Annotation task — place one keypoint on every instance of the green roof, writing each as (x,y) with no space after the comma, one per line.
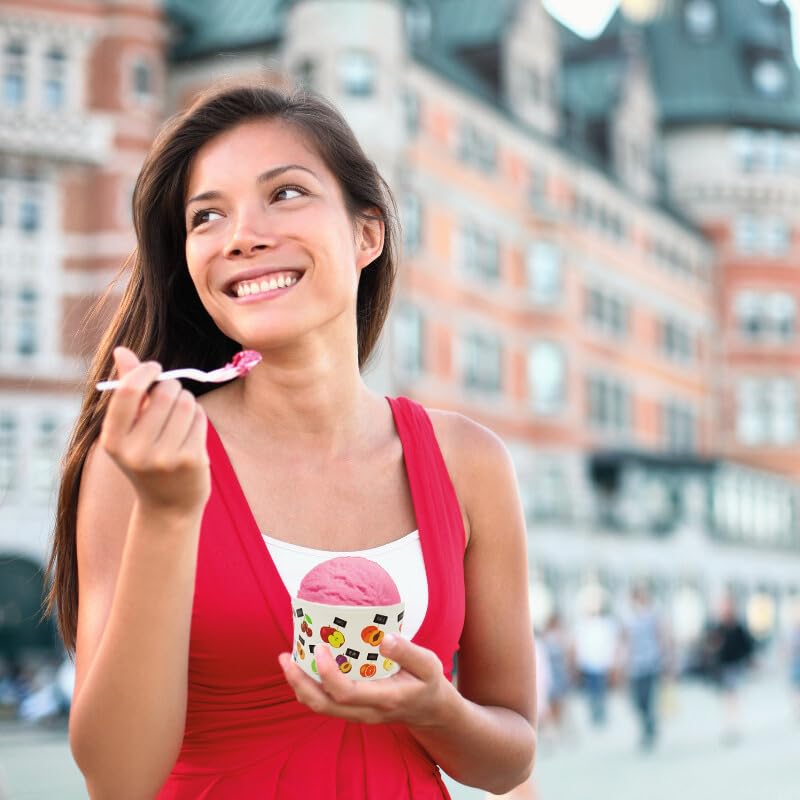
(710,80)
(206,27)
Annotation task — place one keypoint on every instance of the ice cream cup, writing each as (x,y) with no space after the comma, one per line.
(353,634)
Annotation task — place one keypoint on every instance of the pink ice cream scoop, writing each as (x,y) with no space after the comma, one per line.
(244,361)
(349,581)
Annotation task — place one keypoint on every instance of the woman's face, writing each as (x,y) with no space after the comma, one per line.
(271,249)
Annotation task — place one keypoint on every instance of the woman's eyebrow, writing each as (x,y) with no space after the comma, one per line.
(264,177)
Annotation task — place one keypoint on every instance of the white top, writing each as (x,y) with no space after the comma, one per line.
(402,559)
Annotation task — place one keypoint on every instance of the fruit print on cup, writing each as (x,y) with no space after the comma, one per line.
(367,670)
(372,635)
(344,665)
(334,637)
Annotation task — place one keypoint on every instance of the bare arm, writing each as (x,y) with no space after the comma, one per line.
(486,735)
(136,568)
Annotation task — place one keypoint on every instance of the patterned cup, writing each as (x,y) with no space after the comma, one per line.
(353,633)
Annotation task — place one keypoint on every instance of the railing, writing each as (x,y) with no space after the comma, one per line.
(68,136)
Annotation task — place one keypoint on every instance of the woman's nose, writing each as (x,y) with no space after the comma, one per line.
(249,236)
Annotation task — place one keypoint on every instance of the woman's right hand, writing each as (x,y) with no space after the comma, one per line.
(157,438)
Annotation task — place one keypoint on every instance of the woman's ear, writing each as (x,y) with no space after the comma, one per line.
(369,237)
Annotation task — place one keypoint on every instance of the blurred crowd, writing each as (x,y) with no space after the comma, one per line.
(36,690)
(632,650)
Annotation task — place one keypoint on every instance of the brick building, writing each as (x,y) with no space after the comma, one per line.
(600,241)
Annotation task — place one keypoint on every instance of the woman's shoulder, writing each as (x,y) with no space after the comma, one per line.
(466,438)
(477,459)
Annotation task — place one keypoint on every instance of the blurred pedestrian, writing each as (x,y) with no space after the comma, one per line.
(794,658)
(558,647)
(730,648)
(596,655)
(645,656)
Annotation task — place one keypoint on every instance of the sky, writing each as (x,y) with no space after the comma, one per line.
(588,18)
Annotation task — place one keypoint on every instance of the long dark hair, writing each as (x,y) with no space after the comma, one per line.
(160,316)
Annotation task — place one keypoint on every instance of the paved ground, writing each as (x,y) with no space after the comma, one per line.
(690,763)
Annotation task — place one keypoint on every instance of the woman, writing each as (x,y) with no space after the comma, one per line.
(177,509)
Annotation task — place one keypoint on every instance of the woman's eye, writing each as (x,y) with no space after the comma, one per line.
(204,215)
(293,192)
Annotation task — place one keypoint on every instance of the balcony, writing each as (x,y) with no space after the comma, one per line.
(65,136)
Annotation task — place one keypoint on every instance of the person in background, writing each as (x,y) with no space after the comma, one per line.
(730,647)
(794,657)
(596,656)
(645,657)
(559,655)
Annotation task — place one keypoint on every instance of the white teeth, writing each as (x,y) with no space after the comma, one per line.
(265,285)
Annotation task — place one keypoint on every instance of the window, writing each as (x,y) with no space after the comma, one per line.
(14,75)
(676,341)
(768,236)
(357,73)
(411,107)
(678,425)
(9,453)
(765,315)
(537,188)
(543,269)
(54,80)
(306,72)
(609,404)
(770,77)
(548,493)
(44,458)
(784,411)
(142,80)
(26,322)
(701,18)
(547,382)
(781,312)
(483,357)
(480,254)
(408,339)
(607,311)
(29,216)
(748,312)
(766,411)
(477,148)
(411,220)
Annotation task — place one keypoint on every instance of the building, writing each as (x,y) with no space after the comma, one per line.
(598,251)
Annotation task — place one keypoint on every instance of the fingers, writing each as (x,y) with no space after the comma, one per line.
(125,360)
(313,695)
(155,416)
(419,661)
(123,408)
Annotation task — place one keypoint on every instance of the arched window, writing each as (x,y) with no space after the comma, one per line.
(547,377)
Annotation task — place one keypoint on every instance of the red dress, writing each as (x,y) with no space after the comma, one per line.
(246,736)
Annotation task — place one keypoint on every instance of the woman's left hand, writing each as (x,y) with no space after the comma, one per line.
(418,695)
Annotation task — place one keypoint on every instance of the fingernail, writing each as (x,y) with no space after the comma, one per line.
(389,640)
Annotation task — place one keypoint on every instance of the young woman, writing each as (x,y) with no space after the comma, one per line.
(187,518)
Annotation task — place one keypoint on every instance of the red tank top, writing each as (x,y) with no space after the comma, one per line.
(246,736)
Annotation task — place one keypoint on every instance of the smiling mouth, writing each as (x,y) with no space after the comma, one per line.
(265,284)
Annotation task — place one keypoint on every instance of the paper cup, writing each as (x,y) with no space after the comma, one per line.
(353,633)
